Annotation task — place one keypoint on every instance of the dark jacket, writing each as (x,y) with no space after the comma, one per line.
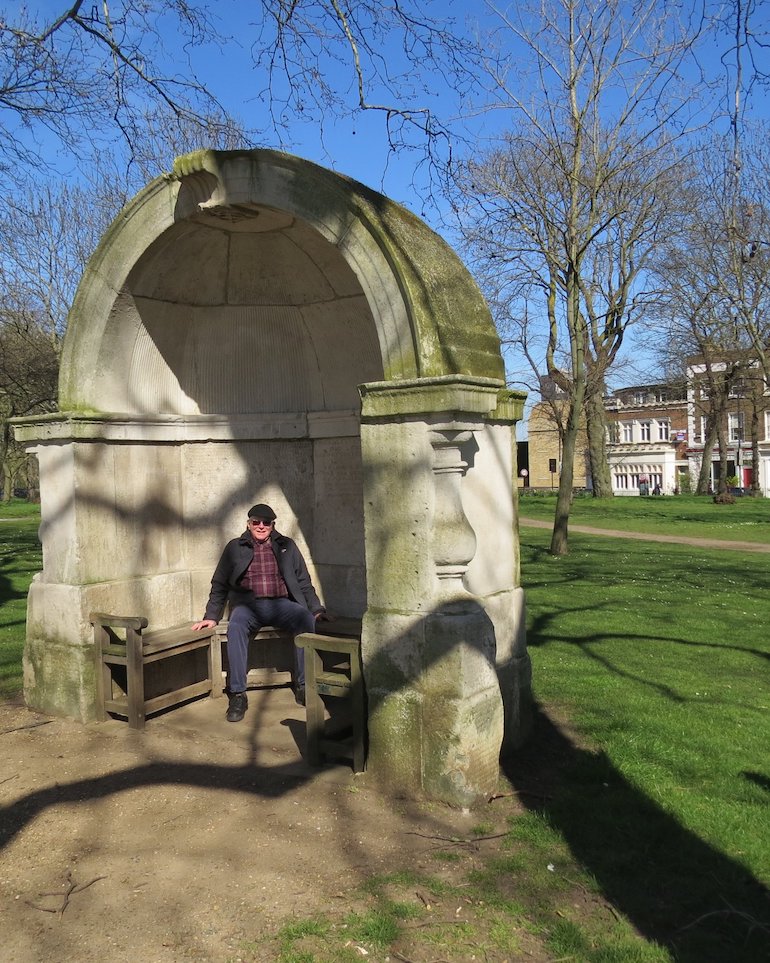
(235,560)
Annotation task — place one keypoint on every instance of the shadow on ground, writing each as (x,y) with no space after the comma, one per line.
(673,887)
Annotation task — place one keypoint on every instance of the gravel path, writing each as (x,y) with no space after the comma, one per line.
(734,546)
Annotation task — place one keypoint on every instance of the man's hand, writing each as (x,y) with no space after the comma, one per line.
(205,624)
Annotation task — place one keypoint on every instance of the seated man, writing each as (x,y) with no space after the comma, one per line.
(265,577)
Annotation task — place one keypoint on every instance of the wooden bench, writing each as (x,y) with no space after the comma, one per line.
(121,664)
(333,669)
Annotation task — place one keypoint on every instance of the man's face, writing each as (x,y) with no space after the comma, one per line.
(260,528)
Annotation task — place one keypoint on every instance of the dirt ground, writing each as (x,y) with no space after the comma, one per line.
(188,840)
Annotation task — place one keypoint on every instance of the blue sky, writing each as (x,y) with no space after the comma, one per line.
(357,146)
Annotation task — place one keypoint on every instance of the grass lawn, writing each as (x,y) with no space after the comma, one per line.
(20,558)
(657,655)
(644,832)
(748,520)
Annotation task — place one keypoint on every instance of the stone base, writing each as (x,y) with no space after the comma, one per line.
(435,729)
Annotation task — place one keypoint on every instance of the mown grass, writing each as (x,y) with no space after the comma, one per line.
(748,520)
(658,655)
(20,558)
(19,508)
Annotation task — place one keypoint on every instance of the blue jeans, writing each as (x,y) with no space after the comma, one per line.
(247,618)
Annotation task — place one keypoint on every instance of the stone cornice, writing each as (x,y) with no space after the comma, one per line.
(486,397)
(115,427)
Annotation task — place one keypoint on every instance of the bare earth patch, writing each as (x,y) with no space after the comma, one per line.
(197,839)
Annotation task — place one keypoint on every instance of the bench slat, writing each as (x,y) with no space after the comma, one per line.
(177,696)
(176,635)
(334,679)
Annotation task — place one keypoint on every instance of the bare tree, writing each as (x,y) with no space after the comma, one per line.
(88,73)
(715,269)
(48,233)
(567,210)
(29,367)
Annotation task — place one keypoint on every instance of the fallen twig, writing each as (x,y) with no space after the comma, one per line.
(518,792)
(72,888)
(31,725)
(457,839)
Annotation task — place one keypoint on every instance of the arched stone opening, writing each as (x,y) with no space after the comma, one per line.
(256,328)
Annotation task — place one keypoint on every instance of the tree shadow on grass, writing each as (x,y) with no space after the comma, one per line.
(673,887)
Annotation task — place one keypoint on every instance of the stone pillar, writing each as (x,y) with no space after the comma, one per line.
(437,716)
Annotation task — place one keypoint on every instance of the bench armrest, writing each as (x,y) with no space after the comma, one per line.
(135,622)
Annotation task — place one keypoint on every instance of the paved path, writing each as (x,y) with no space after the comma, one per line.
(648,537)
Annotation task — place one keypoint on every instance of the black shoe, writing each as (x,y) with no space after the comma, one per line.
(238,706)
(299,695)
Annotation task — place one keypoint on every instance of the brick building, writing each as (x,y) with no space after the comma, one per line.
(647,439)
(655,437)
(545,447)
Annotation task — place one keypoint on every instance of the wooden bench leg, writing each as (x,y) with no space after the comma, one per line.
(215,666)
(358,711)
(102,673)
(135,679)
(314,707)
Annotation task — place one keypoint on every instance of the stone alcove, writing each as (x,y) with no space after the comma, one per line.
(256,328)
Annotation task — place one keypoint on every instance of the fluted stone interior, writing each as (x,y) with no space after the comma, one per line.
(260,315)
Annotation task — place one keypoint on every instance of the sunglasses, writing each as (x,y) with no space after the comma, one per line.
(259,521)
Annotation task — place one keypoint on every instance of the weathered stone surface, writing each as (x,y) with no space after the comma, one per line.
(256,328)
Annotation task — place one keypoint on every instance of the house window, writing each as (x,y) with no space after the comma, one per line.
(664,430)
(627,431)
(645,430)
(735,426)
(621,481)
(613,434)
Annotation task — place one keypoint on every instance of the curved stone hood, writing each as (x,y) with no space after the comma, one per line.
(258,263)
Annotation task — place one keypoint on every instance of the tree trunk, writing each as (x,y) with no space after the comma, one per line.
(7,481)
(4,452)
(596,431)
(704,475)
(755,486)
(559,537)
(722,442)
